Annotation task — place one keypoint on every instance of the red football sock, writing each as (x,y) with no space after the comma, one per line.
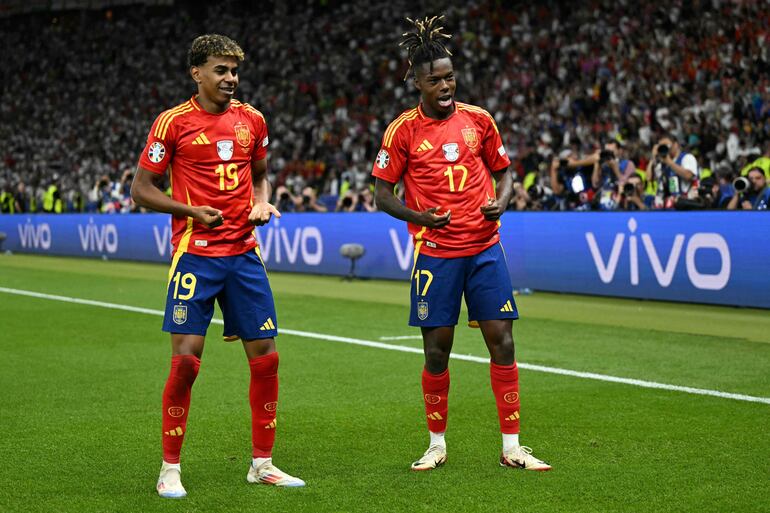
(263,398)
(176,403)
(435,389)
(505,386)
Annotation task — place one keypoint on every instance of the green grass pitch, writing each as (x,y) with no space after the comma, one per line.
(80,390)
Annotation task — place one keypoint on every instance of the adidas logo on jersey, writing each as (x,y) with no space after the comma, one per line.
(202,139)
(424,146)
(507,307)
(268,325)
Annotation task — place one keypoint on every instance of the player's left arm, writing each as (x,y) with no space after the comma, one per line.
(262,210)
(496,159)
(495,207)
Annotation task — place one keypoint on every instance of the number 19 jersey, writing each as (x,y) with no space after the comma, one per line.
(447,164)
(209,158)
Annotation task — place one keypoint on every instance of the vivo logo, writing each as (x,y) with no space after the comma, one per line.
(663,267)
(98,238)
(35,236)
(279,244)
(162,239)
(403,255)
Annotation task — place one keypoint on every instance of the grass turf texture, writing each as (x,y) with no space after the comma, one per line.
(81,388)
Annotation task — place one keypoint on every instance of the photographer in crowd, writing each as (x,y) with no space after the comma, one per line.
(751,191)
(309,202)
(634,197)
(673,170)
(609,174)
(569,180)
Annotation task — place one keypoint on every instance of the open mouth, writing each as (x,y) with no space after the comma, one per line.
(227,90)
(445,101)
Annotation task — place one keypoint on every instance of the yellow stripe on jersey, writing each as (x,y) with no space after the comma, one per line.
(184,242)
(389,141)
(391,131)
(166,115)
(478,110)
(392,124)
(164,130)
(417,246)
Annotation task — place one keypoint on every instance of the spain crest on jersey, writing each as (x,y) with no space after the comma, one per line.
(471,138)
(451,151)
(422,310)
(180,314)
(242,134)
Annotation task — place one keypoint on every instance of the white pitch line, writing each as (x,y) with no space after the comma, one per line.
(403,337)
(404,349)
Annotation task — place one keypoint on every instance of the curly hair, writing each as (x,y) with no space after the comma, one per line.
(210,45)
(426,43)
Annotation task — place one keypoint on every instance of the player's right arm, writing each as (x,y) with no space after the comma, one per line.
(145,191)
(388,202)
(155,159)
(389,166)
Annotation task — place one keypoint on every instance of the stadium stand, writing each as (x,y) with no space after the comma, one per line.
(79,96)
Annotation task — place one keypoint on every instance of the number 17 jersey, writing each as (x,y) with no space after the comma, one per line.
(209,158)
(447,164)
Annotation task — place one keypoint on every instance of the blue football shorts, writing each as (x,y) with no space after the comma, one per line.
(438,285)
(238,283)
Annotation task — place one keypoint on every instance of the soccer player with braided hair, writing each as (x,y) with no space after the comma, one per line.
(455,172)
(215,151)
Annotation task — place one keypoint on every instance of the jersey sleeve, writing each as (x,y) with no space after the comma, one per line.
(492,148)
(392,158)
(159,149)
(261,139)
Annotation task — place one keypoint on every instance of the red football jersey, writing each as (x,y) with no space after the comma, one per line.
(447,164)
(209,157)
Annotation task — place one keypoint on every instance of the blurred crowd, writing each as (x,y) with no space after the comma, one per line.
(602,105)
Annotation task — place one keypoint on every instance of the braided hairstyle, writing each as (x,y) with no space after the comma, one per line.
(426,43)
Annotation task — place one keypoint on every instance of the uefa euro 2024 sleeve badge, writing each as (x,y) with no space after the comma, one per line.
(156,152)
(422,310)
(451,151)
(180,314)
(383,159)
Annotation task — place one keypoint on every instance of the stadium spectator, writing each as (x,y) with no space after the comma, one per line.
(755,195)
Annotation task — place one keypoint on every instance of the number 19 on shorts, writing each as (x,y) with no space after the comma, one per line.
(186,282)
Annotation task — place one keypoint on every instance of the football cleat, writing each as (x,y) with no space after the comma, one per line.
(170,483)
(521,457)
(434,457)
(269,474)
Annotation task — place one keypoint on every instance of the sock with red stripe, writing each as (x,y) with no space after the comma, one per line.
(435,390)
(263,398)
(505,387)
(176,403)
